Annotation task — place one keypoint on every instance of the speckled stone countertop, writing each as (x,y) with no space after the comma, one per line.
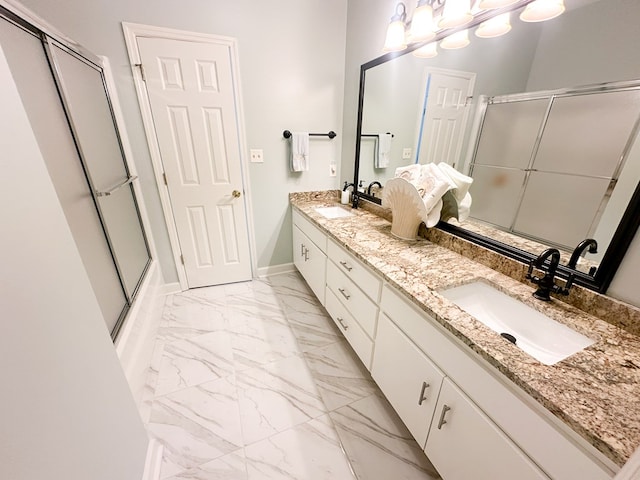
(595,392)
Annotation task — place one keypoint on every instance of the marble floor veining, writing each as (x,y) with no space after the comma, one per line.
(253,381)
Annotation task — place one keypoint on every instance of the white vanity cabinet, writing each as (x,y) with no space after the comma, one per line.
(352,295)
(309,257)
(490,421)
(464,444)
(410,381)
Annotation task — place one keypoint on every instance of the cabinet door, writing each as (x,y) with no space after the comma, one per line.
(310,261)
(463,443)
(409,380)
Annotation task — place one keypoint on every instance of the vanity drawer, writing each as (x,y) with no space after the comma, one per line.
(355,335)
(316,235)
(369,282)
(356,302)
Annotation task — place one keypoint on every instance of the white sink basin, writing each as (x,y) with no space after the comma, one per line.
(333,212)
(536,334)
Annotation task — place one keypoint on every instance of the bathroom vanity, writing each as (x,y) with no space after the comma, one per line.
(478,405)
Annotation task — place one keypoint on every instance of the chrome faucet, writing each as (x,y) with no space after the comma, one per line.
(546,284)
(589,243)
(373,184)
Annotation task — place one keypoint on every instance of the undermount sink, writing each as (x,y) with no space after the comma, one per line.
(333,212)
(536,334)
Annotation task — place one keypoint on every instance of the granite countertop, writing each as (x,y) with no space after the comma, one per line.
(595,391)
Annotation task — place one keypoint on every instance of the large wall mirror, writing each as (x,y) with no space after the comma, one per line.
(545,119)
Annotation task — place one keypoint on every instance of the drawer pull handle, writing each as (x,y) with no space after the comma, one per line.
(346,266)
(342,324)
(442,421)
(423,397)
(345,295)
(302,249)
(306,254)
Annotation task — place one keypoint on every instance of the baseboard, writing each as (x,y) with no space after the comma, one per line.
(170,288)
(153,462)
(135,343)
(275,269)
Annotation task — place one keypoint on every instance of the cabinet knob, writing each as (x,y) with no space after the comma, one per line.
(442,421)
(423,397)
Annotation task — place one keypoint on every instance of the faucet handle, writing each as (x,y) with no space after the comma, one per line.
(529,275)
(567,286)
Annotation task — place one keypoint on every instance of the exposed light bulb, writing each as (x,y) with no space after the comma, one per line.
(429,50)
(422,27)
(494,27)
(456,13)
(490,4)
(541,10)
(457,40)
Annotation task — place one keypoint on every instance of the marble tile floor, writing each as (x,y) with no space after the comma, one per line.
(253,381)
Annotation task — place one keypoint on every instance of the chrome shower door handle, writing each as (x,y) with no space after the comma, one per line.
(106,193)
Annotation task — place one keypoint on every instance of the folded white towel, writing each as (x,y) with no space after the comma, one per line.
(299,151)
(410,173)
(464,208)
(384,150)
(432,185)
(461,181)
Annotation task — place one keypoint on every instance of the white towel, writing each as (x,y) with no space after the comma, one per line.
(432,185)
(384,150)
(461,181)
(299,151)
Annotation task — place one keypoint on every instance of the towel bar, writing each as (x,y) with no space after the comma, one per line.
(331,134)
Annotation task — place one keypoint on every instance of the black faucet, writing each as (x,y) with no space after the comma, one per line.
(347,185)
(582,246)
(373,184)
(546,284)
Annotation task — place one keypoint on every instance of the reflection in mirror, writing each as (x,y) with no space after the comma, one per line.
(551,164)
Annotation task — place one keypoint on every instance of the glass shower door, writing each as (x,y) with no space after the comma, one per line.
(83,90)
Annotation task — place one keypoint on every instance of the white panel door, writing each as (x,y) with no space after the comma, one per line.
(193,104)
(445,116)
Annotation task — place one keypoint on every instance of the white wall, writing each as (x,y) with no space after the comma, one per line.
(366,25)
(292,77)
(66,409)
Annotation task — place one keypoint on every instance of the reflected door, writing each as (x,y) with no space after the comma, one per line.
(445,116)
(193,104)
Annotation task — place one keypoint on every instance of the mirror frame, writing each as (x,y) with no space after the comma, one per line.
(620,242)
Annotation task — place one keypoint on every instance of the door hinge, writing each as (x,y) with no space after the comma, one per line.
(164,177)
(144,79)
(182,259)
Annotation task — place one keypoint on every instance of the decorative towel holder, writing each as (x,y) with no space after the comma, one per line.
(407,208)
(331,134)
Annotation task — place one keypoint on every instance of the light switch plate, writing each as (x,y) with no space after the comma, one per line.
(406,153)
(332,170)
(256,155)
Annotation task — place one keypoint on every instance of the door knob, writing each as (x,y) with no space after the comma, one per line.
(236,194)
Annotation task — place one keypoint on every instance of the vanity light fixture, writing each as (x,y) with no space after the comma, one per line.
(429,50)
(456,40)
(395,40)
(494,27)
(422,26)
(541,10)
(489,4)
(431,17)
(456,13)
